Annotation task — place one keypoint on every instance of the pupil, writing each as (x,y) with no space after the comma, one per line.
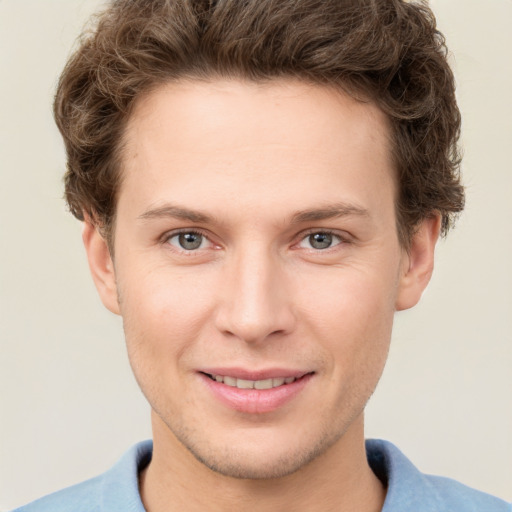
(190,240)
(320,240)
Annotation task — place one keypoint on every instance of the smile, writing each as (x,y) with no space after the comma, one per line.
(252,384)
(257,395)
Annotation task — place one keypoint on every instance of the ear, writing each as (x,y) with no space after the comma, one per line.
(418,263)
(101,266)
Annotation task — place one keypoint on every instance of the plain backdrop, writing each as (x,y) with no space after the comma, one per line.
(69,404)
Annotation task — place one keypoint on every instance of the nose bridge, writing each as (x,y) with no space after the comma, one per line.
(255,301)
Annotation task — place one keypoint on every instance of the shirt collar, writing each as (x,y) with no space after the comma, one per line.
(407,488)
(120,487)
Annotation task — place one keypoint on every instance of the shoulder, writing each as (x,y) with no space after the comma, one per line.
(454,494)
(117,489)
(83,497)
(409,489)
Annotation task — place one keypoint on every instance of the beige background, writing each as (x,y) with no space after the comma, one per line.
(69,405)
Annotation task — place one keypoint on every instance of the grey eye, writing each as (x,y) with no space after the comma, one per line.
(187,241)
(190,241)
(320,240)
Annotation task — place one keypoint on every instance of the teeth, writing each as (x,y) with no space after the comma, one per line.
(244,384)
(230,381)
(263,384)
(253,384)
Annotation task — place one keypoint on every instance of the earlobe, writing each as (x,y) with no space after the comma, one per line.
(101,266)
(418,263)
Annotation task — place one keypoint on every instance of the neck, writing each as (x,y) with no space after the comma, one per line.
(338,480)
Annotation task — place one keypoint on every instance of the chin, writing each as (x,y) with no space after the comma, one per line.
(267,457)
(246,466)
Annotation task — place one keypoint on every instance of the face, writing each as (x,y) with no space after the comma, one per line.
(257,268)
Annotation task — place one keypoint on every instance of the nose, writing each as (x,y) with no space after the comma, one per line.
(255,300)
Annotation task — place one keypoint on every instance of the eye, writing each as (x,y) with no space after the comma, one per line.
(188,241)
(320,240)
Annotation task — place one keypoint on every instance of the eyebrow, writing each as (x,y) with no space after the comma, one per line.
(314,214)
(175,212)
(332,211)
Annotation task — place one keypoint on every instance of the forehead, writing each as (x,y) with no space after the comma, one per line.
(260,112)
(259,144)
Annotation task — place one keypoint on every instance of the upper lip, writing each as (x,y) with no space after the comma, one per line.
(242,373)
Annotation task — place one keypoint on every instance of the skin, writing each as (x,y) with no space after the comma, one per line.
(255,170)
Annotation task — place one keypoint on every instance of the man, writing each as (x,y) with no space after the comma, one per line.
(262,185)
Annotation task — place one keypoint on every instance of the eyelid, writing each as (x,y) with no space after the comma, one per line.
(342,235)
(164,239)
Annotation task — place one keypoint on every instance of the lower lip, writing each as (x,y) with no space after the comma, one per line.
(256,401)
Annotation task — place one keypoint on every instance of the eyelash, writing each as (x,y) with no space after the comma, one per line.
(168,236)
(343,239)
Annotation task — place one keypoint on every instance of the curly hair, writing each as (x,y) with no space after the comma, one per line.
(385,51)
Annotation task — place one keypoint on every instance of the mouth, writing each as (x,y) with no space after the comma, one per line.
(235,382)
(264,392)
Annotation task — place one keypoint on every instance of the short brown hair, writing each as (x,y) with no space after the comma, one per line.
(387,51)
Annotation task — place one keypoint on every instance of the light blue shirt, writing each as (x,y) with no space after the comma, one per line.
(408,490)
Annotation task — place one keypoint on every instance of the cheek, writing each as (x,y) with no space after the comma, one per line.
(162,320)
(351,314)
(354,299)
(163,312)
